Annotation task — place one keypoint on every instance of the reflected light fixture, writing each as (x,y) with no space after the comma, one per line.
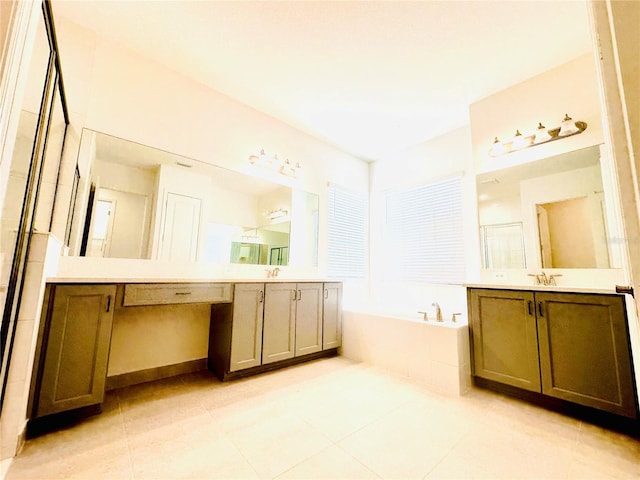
(541,135)
(497,148)
(277,213)
(274,164)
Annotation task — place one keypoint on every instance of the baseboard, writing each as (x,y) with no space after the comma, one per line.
(156,373)
(22,438)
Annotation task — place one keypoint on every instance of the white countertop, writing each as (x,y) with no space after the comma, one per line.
(118,270)
(138,279)
(545,288)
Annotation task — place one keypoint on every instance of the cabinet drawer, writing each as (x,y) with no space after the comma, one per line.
(167,293)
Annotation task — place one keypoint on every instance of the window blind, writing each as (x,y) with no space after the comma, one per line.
(347,233)
(425,235)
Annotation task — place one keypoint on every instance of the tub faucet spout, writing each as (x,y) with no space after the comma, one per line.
(438,311)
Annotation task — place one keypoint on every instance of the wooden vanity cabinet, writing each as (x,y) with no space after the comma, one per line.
(504,337)
(571,346)
(273,325)
(279,327)
(292,320)
(309,318)
(246,332)
(332,316)
(76,340)
(584,351)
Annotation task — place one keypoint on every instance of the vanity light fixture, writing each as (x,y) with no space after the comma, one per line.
(277,213)
(521,141)
(274,164)
(261,160)
(541,135)
(568,127)
(250,238)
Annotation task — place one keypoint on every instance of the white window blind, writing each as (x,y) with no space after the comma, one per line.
(347,232)
(425,235)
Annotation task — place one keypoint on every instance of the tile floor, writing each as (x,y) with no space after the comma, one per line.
(326,419)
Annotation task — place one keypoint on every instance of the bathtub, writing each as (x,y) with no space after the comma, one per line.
(433,353)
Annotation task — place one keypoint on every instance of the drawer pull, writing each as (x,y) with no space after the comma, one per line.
(183,293)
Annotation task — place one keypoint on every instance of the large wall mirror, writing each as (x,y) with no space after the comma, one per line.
(549,213)
(141,202)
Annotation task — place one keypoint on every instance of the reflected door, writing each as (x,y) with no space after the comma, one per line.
(102,228)
(129,224)
(180,228)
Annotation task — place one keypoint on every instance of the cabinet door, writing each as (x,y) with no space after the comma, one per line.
(308,318)
(504,337)
(77,348)
(246,327)
(584,350)
(279,329)
(332,316)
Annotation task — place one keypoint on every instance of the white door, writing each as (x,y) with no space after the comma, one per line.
(180,228)
(102,229)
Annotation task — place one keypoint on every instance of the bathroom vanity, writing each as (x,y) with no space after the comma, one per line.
(568,345)
(253,326)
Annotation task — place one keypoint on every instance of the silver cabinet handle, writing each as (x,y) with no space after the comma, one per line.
(261,296)
(108,302)
(183,293)
(299,294)
(326,294)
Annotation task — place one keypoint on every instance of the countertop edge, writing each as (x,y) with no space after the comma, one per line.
(102,280)
(545,288)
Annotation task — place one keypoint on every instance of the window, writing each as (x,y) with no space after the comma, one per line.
(347,233)
(425,236)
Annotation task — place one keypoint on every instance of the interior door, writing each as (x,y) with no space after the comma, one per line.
(180,228)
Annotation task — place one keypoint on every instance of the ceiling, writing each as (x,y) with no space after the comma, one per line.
(368,77)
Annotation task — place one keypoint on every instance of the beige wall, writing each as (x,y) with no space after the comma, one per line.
(570,88)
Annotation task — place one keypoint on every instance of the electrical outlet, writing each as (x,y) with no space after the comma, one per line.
(499,276)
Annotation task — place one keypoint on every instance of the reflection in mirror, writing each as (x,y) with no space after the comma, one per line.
(558,203)
(502,246)
(151,204)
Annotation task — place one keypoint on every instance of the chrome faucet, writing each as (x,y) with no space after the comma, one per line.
(438,311)
(552,278)
(543,279)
